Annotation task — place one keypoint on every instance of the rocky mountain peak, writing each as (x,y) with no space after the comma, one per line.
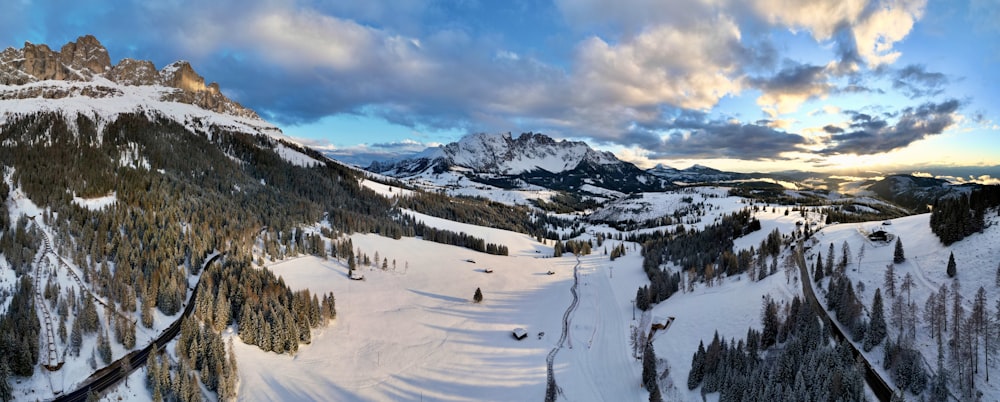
(75,61)
(87,53)
(181,75)
(134,72)
(86,58)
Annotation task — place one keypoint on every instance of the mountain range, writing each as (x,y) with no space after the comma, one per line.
(510,162)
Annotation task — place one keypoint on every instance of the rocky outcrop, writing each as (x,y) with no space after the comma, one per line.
(87,58)
(134,72)
(87,55)
(76,61)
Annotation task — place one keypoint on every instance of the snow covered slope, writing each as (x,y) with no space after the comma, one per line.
(926,260)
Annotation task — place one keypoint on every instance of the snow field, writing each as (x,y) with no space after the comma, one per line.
(96,203)
(414,333)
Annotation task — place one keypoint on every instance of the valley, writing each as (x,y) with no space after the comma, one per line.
(162,241)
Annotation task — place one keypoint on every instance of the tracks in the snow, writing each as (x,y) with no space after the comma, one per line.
(551,389)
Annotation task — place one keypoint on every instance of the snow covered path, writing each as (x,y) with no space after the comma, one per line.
(598,363)
(551,389)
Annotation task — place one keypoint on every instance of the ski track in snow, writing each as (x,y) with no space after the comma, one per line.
(552,388)
(601,365)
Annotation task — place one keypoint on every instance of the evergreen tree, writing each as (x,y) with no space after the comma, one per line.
(76,338)
(952,269)
(222,310)
(649,368)
(998,276)
(152,376)
(819,265)
(6,391)
(939,389)
(478,296)
(898,255)
(829,260)
(104,346)
(876,325)
(697,372)
(770,322)
(890,280)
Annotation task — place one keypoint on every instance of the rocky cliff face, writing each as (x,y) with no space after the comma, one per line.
(86,59)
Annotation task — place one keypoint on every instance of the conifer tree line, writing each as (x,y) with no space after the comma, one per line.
(791,358)
(19,330)
(704,254)
(695,249)
(955,218)
(577,247)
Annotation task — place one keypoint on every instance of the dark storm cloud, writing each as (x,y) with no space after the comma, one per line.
(833,129)
(915,81)
(797,78)
(873,135)
(694,135)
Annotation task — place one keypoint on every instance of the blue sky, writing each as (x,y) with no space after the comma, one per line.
(734,84)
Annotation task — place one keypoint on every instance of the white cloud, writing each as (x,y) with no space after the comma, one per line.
(691,68)
(821,18)
(879,31)
(876,26)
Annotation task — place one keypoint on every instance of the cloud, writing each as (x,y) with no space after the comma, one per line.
(863,30)
(686,67)
(873,135)
(694,135)
(831,129)
(623,71)
(789,88)
(365,154)
(915,81)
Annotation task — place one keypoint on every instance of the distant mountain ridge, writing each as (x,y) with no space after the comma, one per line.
(83,69)
(918,192)
(504,154)
(504,161)
(698,174)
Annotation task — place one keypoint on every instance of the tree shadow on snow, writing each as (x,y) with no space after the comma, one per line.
(451,299)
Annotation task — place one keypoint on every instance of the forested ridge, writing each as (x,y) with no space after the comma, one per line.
(955,218)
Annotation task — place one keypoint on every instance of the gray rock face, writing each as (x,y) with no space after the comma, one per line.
(87,55)
(86,58)
(134,72)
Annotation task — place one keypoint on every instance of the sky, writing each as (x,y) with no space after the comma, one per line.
(743,85)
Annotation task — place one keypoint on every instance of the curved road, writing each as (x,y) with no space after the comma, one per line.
(551,389)
(879,387)
(107,377)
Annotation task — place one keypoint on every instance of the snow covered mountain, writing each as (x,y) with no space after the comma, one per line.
(507,162)
(917,192)
(695,174)
(79,79)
